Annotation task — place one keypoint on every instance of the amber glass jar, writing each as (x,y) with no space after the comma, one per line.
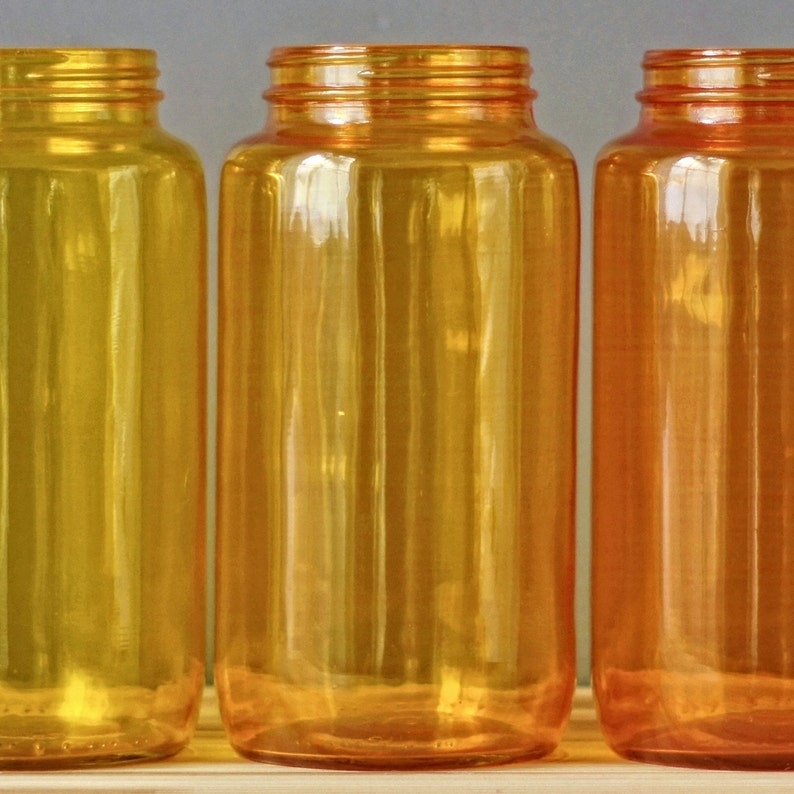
(693,573)
(396,414)
(101,413)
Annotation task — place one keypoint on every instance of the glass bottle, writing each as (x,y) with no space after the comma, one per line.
(102,413)
(694,415)
(396,414)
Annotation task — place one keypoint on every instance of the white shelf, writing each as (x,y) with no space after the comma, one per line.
(582,763)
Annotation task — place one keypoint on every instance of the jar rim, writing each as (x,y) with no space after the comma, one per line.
(716,56)
(88,58)
(78,50)
(64,73)
(728,75)
(400,73)
(295,54)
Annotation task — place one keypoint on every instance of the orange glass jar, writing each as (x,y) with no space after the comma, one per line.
(398,269)
(693,571)
(102,413)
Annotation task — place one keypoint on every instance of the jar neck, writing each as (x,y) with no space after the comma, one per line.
(344,89)
(39,87)
(718,86)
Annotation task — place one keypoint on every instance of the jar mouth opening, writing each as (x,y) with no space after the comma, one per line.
(80,73)
(332,72)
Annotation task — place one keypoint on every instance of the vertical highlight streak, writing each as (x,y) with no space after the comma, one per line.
(122,420)
(498,404)
(322,410)
(49,294)
(754,419)
(379,441)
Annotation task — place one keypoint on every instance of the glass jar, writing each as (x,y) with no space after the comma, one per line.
(397,331)
(102,413)
(694,415)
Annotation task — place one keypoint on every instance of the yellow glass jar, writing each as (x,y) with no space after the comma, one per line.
(102,413)
(693,498)
(397,322)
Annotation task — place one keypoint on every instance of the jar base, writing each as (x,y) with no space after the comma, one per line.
(711,720)
(761,739)
(40,744)
(408,741)
(86,723)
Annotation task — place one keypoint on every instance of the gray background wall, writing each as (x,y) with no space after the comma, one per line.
(586,55)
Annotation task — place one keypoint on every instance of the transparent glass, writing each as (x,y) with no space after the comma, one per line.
(396,414)
(694,416)
(102,413)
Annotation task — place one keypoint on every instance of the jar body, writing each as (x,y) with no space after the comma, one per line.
(102,305)
(693,432)
(397,329)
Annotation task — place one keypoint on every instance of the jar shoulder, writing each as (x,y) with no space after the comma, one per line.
(652,146)
(150,148)
(264,151)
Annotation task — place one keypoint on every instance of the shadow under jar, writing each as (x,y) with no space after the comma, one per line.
(693,497)
(396,414)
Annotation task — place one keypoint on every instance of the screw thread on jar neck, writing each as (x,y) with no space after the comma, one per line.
(718,86)
(344,85)
(78,85)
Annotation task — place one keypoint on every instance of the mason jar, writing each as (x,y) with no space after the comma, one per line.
(694,415)
(102,413)
(397,322)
